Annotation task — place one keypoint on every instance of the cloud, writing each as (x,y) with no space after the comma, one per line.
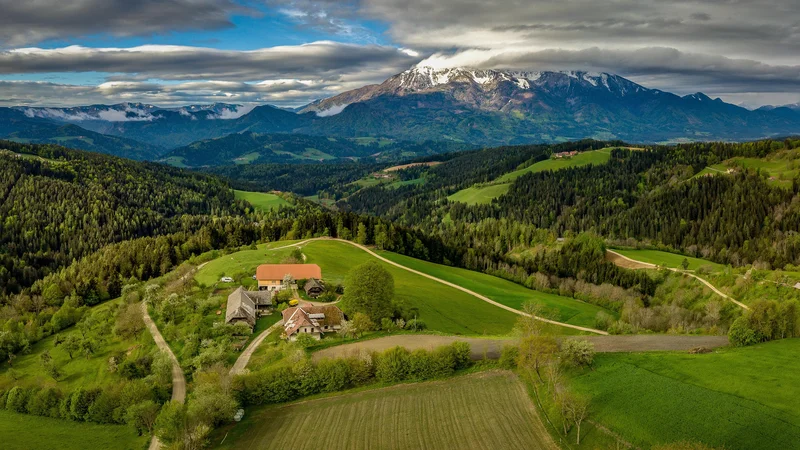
(660,67)
(323,59)
(32,21)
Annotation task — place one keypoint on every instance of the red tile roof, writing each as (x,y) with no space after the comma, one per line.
(278,271)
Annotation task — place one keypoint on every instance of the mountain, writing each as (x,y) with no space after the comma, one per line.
(17,126)
(171,127)
(479,107)
(793,107)
(494,106)
(258,148)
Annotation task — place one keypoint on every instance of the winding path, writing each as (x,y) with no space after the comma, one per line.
(647,265)
(491,348)
(244,358)
(178,380)
(452,285)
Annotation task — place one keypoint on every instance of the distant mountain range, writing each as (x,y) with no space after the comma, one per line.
(255,148)
(479,107)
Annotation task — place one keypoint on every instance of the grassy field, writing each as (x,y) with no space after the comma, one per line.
(78,371)
(263,201)
(741,398)
(241,263)
(247,158)
(477,411)
(563,309)
(781,167)
(479,195)
(581,159)
(24,432)
(667,259)
(441,307)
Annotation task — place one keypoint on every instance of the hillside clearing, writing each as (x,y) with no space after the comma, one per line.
(562,309)
(474,411)
(666,259)
(479,195)
(581,159)
(25,432)
(746,396)
(263,201)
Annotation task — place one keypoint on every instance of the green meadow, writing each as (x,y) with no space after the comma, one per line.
(667,259)
(733,398)
(484,194)
(581,159)
(241,265)
(263,201)
(25,432)
(562,309)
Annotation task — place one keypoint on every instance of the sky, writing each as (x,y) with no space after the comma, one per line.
(288,53)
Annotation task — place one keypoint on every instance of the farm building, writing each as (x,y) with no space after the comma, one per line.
(313,287)
(246,306)
(312,320)
(273,277)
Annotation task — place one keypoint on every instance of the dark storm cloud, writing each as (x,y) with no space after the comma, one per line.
(31,21)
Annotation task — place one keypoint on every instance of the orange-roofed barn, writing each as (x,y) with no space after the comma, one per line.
(272,277)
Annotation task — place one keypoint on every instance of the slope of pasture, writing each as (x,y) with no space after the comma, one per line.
(25,432)
(746,397)
(479,195)
(441,307)
(262,201)
(477,411)
(242,263)
(667,259)
(562,309)
(581,159)
(78,370)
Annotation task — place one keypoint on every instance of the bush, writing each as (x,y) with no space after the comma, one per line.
(334,374)
(461,354)
(578,352)
(508,357)
(415,325)
(45,403)
(17,400)
(392,365)
(740,334)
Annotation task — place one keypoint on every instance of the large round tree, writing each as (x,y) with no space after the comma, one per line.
(369,289)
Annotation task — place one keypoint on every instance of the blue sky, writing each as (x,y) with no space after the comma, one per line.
(290,52)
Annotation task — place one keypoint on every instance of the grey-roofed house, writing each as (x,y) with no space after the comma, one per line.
(313,288)
(246,306)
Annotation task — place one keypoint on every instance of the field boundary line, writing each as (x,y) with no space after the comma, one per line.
(452,285)
(702,280)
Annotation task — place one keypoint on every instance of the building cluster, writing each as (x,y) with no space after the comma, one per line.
(246,306)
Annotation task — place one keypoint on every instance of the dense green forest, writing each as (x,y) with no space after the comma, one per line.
(246,148)
(58,205)
(650,196)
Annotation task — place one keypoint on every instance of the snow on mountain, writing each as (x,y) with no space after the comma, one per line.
(471,84)
(136,112)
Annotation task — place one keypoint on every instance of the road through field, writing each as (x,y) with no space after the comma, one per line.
(632,263)
(178,380)
(244,358)
(452,285)
(491,348)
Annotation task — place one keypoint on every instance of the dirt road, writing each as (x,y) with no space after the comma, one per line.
(491,348)
(178,380)
(624,261)
(244,358)
(454,286)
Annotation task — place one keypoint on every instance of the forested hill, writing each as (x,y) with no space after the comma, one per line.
(57,205)
(734,203)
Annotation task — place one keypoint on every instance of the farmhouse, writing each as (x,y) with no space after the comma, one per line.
(246,306)
(565,154)
(274,277)
(312,320)
(313,288)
